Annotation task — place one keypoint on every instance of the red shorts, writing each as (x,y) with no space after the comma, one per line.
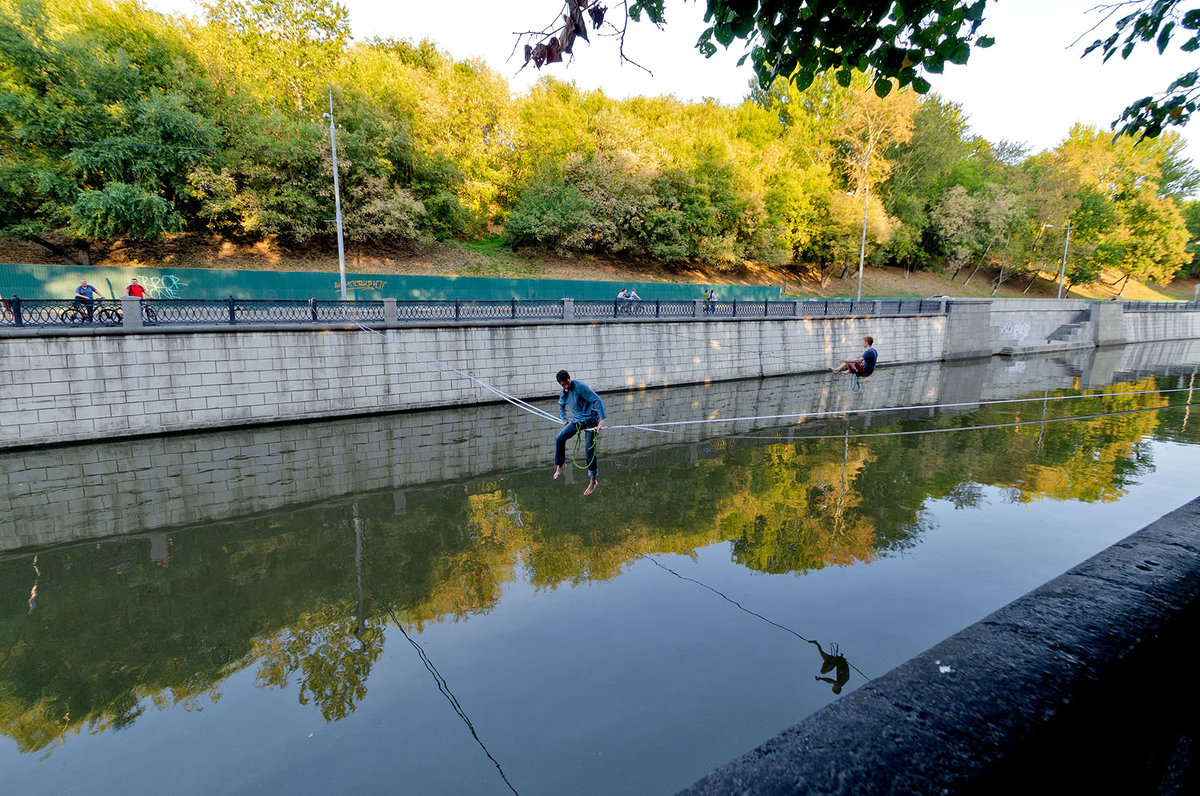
(859,368)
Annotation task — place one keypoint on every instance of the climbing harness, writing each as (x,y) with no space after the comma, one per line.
(579,429)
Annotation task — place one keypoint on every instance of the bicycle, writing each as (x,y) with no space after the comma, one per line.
(83,312)
(106,315)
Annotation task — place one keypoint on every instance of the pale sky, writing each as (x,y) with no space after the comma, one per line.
(1030,87)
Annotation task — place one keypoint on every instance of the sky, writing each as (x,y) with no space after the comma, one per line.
(1030,87)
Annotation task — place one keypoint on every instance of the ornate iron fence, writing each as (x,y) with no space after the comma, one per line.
(60,312)
(259,312)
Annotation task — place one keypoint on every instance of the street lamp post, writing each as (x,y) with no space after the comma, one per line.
(337,197)
(862,249)
(1062,271)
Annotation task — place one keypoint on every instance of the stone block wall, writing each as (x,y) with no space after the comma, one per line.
(1148,326)
(76,388)
(1023,322)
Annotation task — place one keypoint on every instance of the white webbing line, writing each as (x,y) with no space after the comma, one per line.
(662,426)
(848,412)
(812,363)
(989,426)
(512,399)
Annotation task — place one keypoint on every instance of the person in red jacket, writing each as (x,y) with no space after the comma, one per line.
(135,289)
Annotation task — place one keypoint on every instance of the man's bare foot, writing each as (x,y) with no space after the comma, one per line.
(833,370)
(557,472)
(591,487)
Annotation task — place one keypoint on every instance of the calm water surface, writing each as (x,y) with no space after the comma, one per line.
(409,604)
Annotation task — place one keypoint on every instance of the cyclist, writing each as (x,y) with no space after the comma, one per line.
(627,297)
(85,297)
(135,290)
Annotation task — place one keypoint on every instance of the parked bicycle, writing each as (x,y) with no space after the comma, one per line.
(82,312)
(108,315)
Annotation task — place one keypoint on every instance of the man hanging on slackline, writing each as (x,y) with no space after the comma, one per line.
(863,366)
(587,415)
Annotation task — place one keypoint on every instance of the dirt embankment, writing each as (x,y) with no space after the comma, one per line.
(490,258)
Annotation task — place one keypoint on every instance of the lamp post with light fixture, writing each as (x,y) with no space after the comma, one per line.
(1062,271)
(337,196)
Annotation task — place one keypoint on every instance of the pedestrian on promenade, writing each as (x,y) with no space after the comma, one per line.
(135,290)
(587,415)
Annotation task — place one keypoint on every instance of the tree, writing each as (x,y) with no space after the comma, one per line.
(102,120)
(292,43)
(899,44)
(1191,216)
(1156,21)
(802,39)
(922,171)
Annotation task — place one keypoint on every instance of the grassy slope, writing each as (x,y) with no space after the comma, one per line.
(489,258)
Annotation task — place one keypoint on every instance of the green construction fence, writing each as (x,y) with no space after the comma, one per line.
(60,281)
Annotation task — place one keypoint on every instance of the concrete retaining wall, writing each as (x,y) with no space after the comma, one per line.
(1024,322)
(169,481)
(1063,690)
(76,385)
(74,388)
(1147,326)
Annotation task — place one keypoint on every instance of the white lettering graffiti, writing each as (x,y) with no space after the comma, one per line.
(163,287)
(1016,330)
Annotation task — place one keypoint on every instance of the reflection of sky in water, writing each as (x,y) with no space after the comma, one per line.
(582,665)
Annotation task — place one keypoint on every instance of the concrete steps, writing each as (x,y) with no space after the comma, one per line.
(1068,337)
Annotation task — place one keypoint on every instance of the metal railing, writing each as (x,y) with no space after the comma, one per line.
(44,313)
(1160,306)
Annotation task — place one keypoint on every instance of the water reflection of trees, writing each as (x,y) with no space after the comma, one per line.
(305,596)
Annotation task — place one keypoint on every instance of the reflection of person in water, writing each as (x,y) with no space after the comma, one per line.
(833,661)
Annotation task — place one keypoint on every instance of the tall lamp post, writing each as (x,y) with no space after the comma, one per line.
(337,196)
(1062,271)
(862,248)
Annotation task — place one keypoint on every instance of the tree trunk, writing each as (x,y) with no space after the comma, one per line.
(999,279)
(979,265)
(1036,274)
(1124,282)
(61,252)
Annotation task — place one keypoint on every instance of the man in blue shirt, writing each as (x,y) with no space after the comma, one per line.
(85,297)
(864,365)
(587,414)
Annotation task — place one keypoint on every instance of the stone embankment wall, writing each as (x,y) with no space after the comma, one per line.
(80,385)
(1052,693)
(75,388)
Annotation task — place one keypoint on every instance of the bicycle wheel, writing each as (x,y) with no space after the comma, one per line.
(73,316)
(109,316)
(149,314)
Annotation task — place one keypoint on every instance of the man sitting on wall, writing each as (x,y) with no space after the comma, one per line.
(863,366)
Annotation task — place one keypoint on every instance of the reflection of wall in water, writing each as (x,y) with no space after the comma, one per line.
(67,494)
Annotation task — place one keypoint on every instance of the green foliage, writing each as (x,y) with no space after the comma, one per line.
(1155,21)
(120,210)
(1191,216)
(118,122)
(804,39)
